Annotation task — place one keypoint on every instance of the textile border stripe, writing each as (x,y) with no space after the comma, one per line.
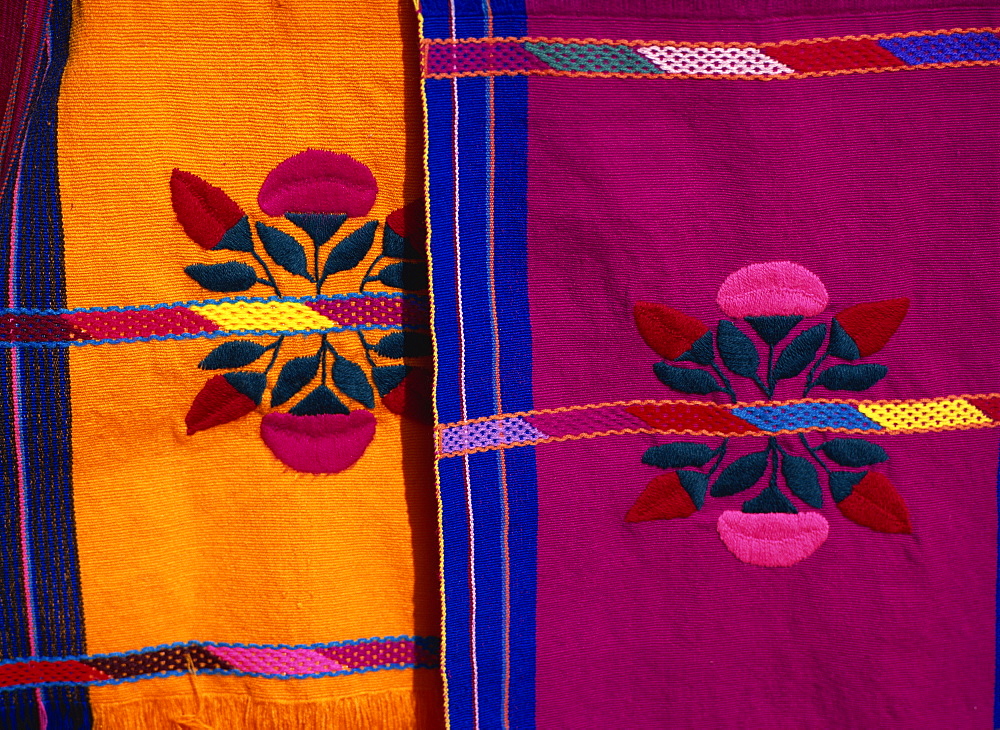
(249,660)
(219,318)
(445,58)
(477,191)
(41,609)
(926,415)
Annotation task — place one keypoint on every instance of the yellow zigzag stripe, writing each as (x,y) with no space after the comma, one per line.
(944,414)
(264,316)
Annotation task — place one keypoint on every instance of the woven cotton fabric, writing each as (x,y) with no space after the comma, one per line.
(217,492)
(717,390)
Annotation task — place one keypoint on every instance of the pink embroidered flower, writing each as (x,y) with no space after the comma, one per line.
(772,539)
(772,288)
(318,181)
(321,444)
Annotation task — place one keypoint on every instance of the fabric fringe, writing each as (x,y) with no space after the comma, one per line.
(402,709)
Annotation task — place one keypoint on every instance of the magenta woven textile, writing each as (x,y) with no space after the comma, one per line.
(716,307)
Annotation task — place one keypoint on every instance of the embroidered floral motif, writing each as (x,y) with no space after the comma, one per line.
(318,192)
(773,299)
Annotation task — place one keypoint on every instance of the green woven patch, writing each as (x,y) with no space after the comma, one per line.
(593,58)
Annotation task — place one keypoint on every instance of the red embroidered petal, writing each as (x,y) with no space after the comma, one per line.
(871,324)
(668,331)
(205,211)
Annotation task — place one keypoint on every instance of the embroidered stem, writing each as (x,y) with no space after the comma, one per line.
(720,455)
(772,446)
(368,274)
(319,282)
(270,276)
(771,383)
(276,346)
(364,343)
(725,381)
(322,357)
(812,452)
(809,378)
(762,386)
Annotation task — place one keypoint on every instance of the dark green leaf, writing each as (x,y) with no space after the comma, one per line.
(737,350)
(695,484)
(773,329)
(741,474)
(802,480)
(387,377)
(854,452)
(249,384)
(237,238)
(701,352)
(852,377)
(677,454)
(233,354)
(231,276)
(404,344)
(842,345)
(321,400)
(409,275)
(349,253)
(842,483)
(319,226)
(799,352)
(770,500)
(294,376)
(351,379)
(398,247)
(285,250)
(686,380)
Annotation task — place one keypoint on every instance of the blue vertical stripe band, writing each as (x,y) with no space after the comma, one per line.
(42,605)
(477,188)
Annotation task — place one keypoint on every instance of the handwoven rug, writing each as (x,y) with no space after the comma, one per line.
(216,483)
(716,325)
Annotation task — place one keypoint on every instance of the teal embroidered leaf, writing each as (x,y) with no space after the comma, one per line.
(351,380)
(319,226)
(294,376)
(404,344)
(842,345)
(737,350)
(231,355)
(741,474)
(701,352)
(249,384)
(773,329)
(842,483)
(677,454)
(854,452)
(695,484)
(802,480)
(232,276)
(396,246)
(799,353)
(770,500)
(686,380)
(321,400)
(407,275)
(351,251)
(852,377)
(285,250)
(387,377)
(237,238)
